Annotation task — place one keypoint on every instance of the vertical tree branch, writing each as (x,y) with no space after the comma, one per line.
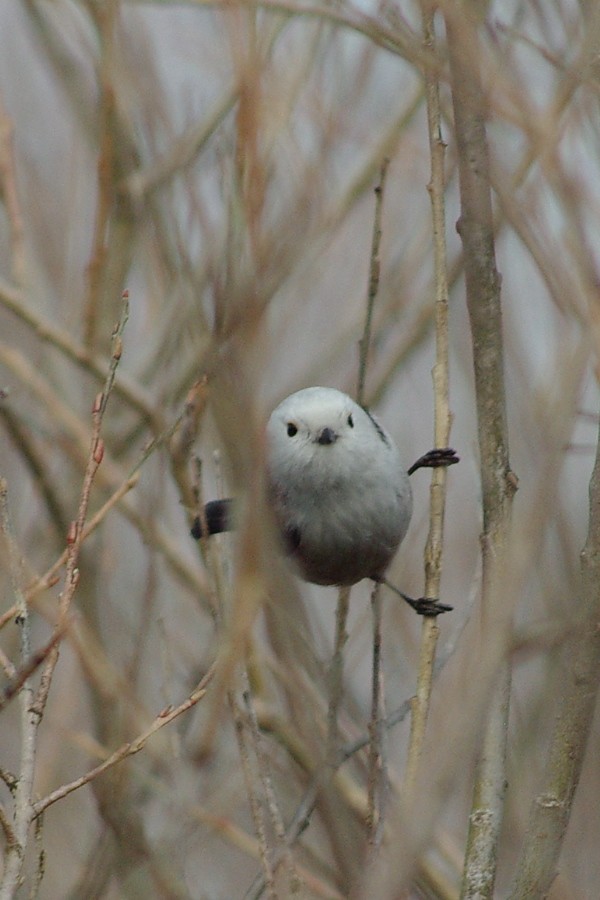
(105,15)
(10,195)
(433,547)
(336,675)
(377,785)
(76,532)
(552,807)
(377,774)
(484,306)
(374,271)
(256,809)
(280,846)
(16,846)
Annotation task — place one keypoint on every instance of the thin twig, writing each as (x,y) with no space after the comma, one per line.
(256,810)
(377,783)
(433,547)
(301,818)
(10,194)
(77,528)
(336,675)
(27,669)
(35,459)
(128,749)
(399,40)
(50,577)
(104,17)
(374,273)
(33,703)
(182,152)
(94,363)
(376,777)
(268,790)
(167,546)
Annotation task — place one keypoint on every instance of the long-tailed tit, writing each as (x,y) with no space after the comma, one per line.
(340,494)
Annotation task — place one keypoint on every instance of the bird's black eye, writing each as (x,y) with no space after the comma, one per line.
(350,421)
(291,429)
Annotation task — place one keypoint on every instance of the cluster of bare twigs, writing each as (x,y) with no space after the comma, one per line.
(228,186)
(33,700)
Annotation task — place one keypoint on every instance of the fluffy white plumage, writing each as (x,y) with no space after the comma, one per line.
(340,492)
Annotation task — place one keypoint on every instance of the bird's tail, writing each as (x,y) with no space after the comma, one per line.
(218,517)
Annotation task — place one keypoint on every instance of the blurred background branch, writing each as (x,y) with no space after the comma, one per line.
(573,717)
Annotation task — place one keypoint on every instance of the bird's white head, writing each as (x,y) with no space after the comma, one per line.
(320,429)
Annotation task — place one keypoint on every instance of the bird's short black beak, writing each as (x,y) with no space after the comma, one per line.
(326,436)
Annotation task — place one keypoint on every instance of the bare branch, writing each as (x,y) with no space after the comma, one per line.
(433,547)
(374,272)
(127,749)
(476,228)
(551,809)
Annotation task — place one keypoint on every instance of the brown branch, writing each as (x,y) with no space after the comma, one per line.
(29,721)
(33,703)
(35,460)
(264,771)
(181,443)
(433,547)
(110,474)
(50,577)
(374,272)
(183,152)
(21,675)
(336,675)
(76,531)
(377,787)
(256,810)
(7,829)
(10,194)
(476,228)
(104,17)
(127,749)
(398,40)
(573,718)
(15,302)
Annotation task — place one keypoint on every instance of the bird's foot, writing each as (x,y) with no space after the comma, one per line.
(439,456)
(423,606)
(427,606)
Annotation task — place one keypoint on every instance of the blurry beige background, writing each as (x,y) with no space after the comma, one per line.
(219,164)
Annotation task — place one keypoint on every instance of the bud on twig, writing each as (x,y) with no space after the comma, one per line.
(98,401)
(72,533)
(99,451)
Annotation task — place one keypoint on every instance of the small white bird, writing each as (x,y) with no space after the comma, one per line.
(341,496)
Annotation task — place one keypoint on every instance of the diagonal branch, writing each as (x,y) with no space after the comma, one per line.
(130,748)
